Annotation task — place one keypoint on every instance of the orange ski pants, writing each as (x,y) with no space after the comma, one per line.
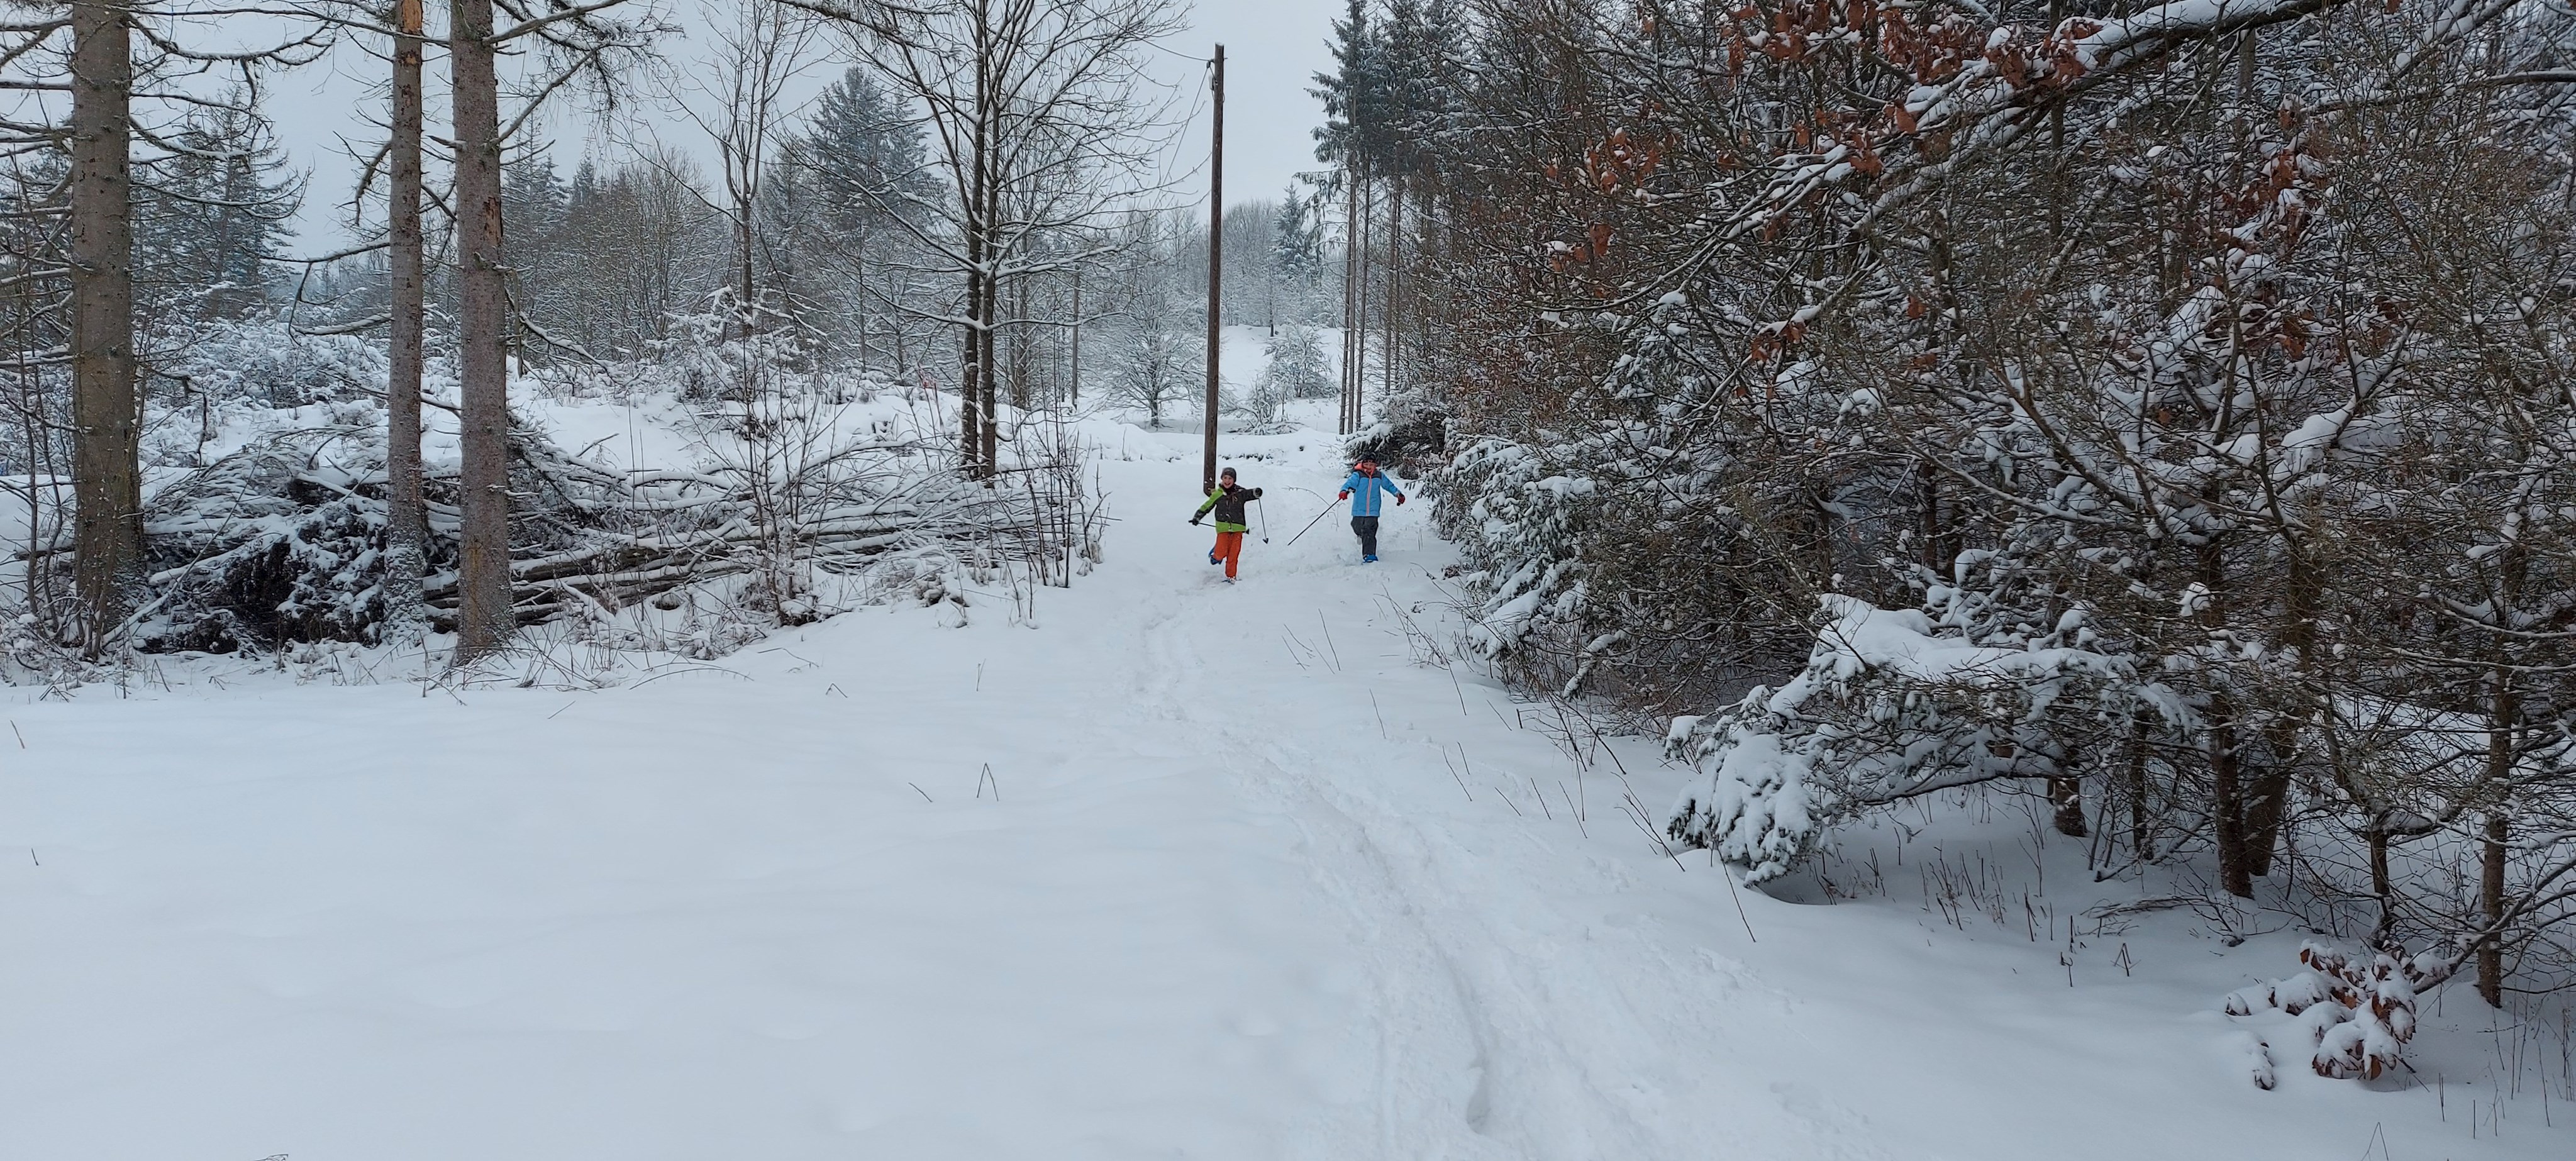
(1229,548)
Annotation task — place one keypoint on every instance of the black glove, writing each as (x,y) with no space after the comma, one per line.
(1194,520)
(1399,499)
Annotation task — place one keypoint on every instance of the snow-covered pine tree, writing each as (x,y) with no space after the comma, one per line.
(851,183)
(545,277)
(1300,250)
(1354,98)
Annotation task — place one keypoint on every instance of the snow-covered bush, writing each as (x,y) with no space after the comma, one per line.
(262,361)
(1520,535)
(1610,563)
(2355,1011)
(1890,707)
(219,385)
(1411,439)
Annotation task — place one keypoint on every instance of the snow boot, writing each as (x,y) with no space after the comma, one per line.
(1368,560)
(1212,557)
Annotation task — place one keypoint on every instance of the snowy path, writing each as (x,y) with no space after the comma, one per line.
(1257,885)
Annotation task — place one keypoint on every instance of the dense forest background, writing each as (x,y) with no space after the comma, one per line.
(2163,406)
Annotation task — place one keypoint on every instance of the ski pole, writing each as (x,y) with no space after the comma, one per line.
(1265,521)
(1319,518)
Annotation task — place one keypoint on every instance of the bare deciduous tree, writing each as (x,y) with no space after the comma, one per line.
(1039,116)
(737,99)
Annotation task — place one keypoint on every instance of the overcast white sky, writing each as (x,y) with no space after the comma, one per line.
(1273,48)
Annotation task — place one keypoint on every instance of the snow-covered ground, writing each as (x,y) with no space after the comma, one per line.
(1181,870)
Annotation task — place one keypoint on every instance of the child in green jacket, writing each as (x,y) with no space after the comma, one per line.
(1227,502)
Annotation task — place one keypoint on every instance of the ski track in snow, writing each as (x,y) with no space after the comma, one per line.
(1233,901)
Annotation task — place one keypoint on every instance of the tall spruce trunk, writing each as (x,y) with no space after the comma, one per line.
(1350,295)
(970,425)
(1023,351)
(1360,312)
(2225,742)
(1394,277)
(107,475)
(2141,834)
(2504,727)
(485,619)
(2491,903)
(975,370)
(406,519)
(989,445)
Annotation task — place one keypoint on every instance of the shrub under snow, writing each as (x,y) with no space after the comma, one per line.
(2355,1010)
(1890,706)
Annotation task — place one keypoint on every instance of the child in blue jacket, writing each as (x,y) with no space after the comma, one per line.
(1367,490)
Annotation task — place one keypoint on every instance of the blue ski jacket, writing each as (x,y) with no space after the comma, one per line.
(1368,493)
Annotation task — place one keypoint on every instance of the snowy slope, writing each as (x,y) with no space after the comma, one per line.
(1245,880)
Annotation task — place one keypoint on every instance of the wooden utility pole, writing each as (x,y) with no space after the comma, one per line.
(1216,269)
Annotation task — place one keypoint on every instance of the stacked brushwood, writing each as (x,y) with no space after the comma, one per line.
(800,487)
(270,543)
(282,541)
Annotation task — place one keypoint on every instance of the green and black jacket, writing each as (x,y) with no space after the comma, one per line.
(1228,501)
